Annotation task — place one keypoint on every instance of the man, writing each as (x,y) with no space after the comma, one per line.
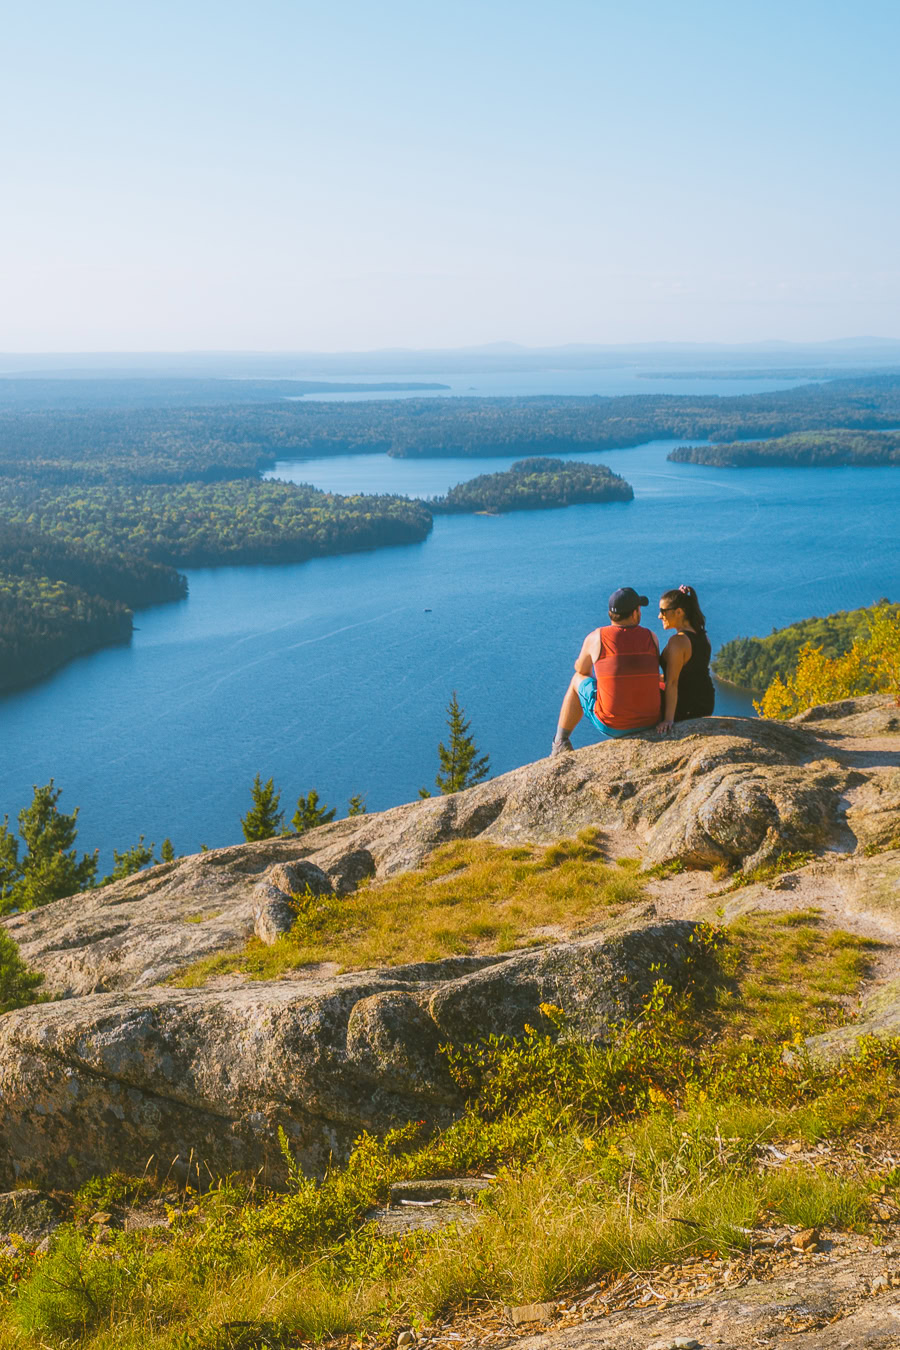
(616,685)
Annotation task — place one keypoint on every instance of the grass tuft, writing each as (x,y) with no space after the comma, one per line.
(778,867)
(471,896)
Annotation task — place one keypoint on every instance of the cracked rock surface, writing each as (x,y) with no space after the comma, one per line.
(112,1080)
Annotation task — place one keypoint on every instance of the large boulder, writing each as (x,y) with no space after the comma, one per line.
(175,1076)
(722,790)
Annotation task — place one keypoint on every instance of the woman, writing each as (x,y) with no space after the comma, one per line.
(689,688)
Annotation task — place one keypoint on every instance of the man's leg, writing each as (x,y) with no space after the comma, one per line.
(570,714)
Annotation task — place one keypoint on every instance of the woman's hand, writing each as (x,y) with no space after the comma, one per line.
(665,727)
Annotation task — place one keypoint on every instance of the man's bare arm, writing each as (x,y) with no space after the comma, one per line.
(584,661)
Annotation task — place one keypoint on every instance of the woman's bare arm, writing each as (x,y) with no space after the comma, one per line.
(676,654)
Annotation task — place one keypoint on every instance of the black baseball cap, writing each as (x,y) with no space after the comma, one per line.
(625,601)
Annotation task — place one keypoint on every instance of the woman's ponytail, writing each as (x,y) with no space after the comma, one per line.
(685,597)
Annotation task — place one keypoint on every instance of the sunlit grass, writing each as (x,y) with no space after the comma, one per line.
(792,973)
(470,897)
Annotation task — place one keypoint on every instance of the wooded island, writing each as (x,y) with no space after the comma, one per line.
(535,484)
(800,450)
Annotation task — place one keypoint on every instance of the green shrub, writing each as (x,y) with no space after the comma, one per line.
(72,1289)
(113,1191)
(18,983)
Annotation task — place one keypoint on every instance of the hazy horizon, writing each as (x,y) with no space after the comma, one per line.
(858,347)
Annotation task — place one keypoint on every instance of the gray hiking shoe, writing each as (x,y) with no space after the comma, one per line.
(560,745)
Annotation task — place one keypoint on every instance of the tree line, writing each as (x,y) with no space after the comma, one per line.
(210,524)
(76,561)
(60,597)
(108,502)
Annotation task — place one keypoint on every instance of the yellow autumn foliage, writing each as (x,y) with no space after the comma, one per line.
(871,666)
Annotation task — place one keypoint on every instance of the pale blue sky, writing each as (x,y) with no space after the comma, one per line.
(346,175)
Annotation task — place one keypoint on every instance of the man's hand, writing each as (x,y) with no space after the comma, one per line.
(665,727)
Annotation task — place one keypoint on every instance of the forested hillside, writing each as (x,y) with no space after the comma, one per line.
(203,525)
(60,597)
(43,623)
(753,663)
(75,561)
(534,484)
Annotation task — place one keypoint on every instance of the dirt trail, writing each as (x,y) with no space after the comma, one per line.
(843,1295)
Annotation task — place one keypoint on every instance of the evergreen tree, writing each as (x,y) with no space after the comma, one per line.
(10,871)
(357,806)
(132,860)
(264,819)
(50,867)
(17,981)
(461,764)
(309,813)
(166,852)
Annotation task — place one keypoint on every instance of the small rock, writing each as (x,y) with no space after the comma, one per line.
(29,1214)
(807,1240)
(679,1343)
(880,1283)
(426,1192)
(100,1217)
(405,1338)
(43,1247)
(531,1312)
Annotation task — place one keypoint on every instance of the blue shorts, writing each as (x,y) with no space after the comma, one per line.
(587,693)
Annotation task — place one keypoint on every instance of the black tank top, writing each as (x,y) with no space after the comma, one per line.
(696,694)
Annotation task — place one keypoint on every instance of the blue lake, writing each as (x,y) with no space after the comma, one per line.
(335,674)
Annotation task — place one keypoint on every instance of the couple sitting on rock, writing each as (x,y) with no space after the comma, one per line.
(617,685)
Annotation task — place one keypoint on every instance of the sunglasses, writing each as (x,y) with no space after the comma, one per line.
(668,609)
